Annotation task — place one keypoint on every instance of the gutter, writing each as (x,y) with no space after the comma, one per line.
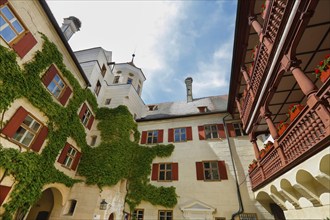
(239,196)
(277,54)
(65,42)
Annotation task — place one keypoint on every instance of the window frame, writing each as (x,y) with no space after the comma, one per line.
(28,130)
(136,214)
(71,156)
(211,131)
(211,170)
(17,18)
(98,87)
(129,80)
(107,102)
(86,117)
(180,134)
(165,217)
(154,135)
(103,70)
(167,171)
(116,80)
(238,127)
(57,86)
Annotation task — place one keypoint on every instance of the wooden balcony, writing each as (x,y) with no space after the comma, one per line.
(305,136)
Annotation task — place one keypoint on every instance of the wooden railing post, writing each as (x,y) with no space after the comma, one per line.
(253,140)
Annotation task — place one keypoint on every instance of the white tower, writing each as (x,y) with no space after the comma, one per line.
(188,82)
(70,26)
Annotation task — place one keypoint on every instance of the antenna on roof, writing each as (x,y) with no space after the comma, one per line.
(133,55)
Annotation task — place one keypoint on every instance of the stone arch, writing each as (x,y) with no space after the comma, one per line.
(290,193)
(325,165)
(265,200)
(277,197)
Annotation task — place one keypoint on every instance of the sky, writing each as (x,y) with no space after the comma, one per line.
(171,40)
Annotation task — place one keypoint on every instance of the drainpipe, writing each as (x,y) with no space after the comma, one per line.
(239,197)
(277,54)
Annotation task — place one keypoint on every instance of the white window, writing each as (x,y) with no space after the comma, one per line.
(138,214)
(152,137)
(211,131)
(10,26)
(87,115)
(27,131)
(180,134)
(97,88)
(165,215)
(129,80)
(70,156)
(211,170)
(56,86)
(238,127)
(165,171)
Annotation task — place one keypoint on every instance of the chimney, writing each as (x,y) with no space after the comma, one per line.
(188,82)
(70,26)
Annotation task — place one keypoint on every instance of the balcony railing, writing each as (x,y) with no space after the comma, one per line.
(304,137)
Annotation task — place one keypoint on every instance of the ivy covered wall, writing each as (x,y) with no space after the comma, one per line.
(116,158)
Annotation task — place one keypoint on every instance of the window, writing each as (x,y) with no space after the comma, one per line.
(86,116)
(71,206)
(107,101)
(103,70)
(211,131)
(69,157)
(56,85)
(116,79)
(238,128)
(97,88)
(138,89)
(10,26)
(165,171)
(93,141)
(71,154)
(211,170)
(13,31)
(152,137)
(180,134)
(129,80)
(138,214)
(165,215)
(27,131)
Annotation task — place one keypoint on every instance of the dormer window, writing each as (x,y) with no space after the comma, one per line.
(202,109)
(152,107)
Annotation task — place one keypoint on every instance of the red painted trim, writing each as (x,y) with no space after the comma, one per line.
(90,122)
(25,44)
(175,171)
(170,135)
(76,161)
(160,136)
(201,132)
(15,121)
(222,170)
(37,143)
(4,190)
(64,152)
(199,171)
(189,133)
(221,131)
(154,175)
(49,75)
(2,2)
(66,94)
(144,137)
(82,111)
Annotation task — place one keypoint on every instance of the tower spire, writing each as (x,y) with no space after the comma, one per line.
(133,55)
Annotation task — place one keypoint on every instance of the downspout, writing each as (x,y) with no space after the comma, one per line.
(277,54)
(239,197)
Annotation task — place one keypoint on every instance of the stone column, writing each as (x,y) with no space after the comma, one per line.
(267,116)
(253,140)
(255,24)
(305,84)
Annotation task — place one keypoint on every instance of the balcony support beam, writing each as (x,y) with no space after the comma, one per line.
(255,24)
(239,106)
(253,140)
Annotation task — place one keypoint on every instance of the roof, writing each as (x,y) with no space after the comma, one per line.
(167,110)
(65,42)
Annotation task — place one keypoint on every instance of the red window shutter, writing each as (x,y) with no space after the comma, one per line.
(221,131)
(66,94)
(14,123)
(76,161)
(64,153)
(49,75)
(189,133)
(154,175)
(231,130)
(170,135)
(175,171)
(201,133)
(90,122)
(25,44)
(144,137)
(4,190)
(82,111)
(39,140)
(199,171)
(222,170)
(2,2)
(160,136)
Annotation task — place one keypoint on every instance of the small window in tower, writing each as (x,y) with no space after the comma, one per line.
(97,88)
(119,71)
(129,80)
(138,89)
(152,107)
(116,79)
(131,74)
(103,70)
(107,101)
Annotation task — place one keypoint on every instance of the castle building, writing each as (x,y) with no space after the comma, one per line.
(57,145)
